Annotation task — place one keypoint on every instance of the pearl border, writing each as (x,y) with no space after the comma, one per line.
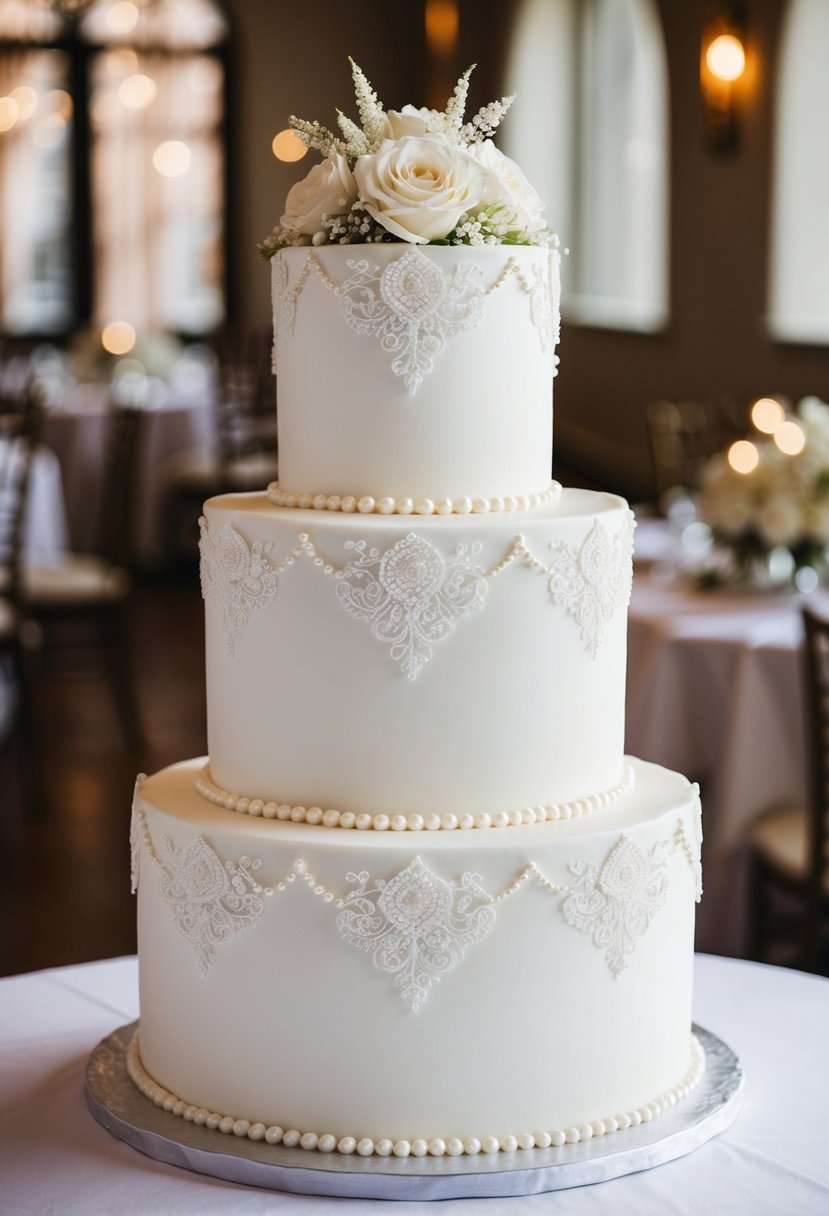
(449,822)
(369,505)
(365,1146)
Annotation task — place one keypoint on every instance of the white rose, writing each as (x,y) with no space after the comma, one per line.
(507,184)
(779,520)
(411,120)
(418,187)
(329,189)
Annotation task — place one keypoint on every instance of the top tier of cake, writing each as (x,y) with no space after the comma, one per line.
(416,374)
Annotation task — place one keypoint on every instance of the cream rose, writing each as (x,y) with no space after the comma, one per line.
(329,189)
(507,184)
(411,120)
(418,187)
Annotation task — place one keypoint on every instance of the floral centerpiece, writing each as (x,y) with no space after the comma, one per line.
(416,175)
(770,523)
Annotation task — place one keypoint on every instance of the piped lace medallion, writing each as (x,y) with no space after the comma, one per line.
(413,596)
(410,595)
(615,902)
(238,573)
(412,307)
(210,901)
(594,580)
(416,926)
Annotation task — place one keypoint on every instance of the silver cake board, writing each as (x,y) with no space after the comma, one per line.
(119,1106)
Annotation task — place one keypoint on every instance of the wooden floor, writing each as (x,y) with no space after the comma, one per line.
(64,877)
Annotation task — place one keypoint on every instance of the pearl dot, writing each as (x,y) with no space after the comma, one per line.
(283,811)
(226,1124)
(348,819)
(480,506)
(298,814)
(508,1144)
(399,823)
(483,820)
(309,1141)
(381,823)
(419,1148)
(443,506)
(449,823)
(384,1148)
(386,506)
(610,1125)
(402,1148)
(366,506)
(347,1145)
(331,818)
(437,1147)
(348,504)
(463,506)
(305,501)
(466,822)
(333,502)
(500,819)
(319,502)
(213,1120)
(365,1147)
(363,822)
(454,1147)
(598,1127)
(256,806)
(327,1143)
(526,1141)
(432,823)
(490,1144)
(241,1127)
(542,1139)
(585,1131)
(313,815)
(415,823)
(405,506)
(424,506)
(557,1138)
(472,1146)
(291,1138)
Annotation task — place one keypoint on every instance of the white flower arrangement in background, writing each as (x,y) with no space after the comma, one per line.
(771,523)
(415,175)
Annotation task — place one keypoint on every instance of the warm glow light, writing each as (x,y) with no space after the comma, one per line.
(726,57)
(118,337)
(288,146)
(743,456)
(137,91)
(104,108)
(442,25)
(122,17)
(790,438)
(121,62)
(172,158)
(767,414)
(58,101)
(9,113)
(26,99)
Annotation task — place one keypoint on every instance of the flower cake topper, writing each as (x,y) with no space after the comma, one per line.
(415,175)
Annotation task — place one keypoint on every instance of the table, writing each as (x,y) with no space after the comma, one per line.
(55,1158)
(75,428)
(715,691)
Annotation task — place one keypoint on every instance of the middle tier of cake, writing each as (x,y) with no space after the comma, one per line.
(466,666)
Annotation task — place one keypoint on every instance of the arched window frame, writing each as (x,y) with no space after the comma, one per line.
(565,144)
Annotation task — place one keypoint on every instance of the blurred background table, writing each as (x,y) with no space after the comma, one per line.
(715,691)
(55,1158)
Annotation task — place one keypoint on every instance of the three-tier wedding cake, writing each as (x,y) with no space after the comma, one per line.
(416,900)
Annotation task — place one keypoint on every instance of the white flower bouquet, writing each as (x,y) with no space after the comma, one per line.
(416,175)
(770,524)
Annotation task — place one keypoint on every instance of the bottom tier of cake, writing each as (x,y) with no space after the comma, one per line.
(409,992)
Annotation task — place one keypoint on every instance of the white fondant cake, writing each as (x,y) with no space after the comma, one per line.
(415,899)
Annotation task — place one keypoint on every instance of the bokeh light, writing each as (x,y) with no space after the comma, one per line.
(118,337)
(172,158)
(743,456)
(767,414)
(726,57)
(288,146)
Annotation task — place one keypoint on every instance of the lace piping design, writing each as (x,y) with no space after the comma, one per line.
(412,308)
(412,596)
(416,925)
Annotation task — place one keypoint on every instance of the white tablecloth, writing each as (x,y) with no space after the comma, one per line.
(75,427)
(54,1158)
(715,691)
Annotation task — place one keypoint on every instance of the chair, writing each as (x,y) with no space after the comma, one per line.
(790,845)
(684,435)
(84,597)
(19,429)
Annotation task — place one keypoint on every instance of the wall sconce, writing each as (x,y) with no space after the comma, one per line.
(722,76)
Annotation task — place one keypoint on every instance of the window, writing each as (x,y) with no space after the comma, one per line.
(799,280)
(590,128)
(112,167)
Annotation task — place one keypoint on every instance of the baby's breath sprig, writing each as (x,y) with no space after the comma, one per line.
(486,121)
(280,238)
(453,114)
(371,111)
(355,227)
(315,135)
(356,141)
